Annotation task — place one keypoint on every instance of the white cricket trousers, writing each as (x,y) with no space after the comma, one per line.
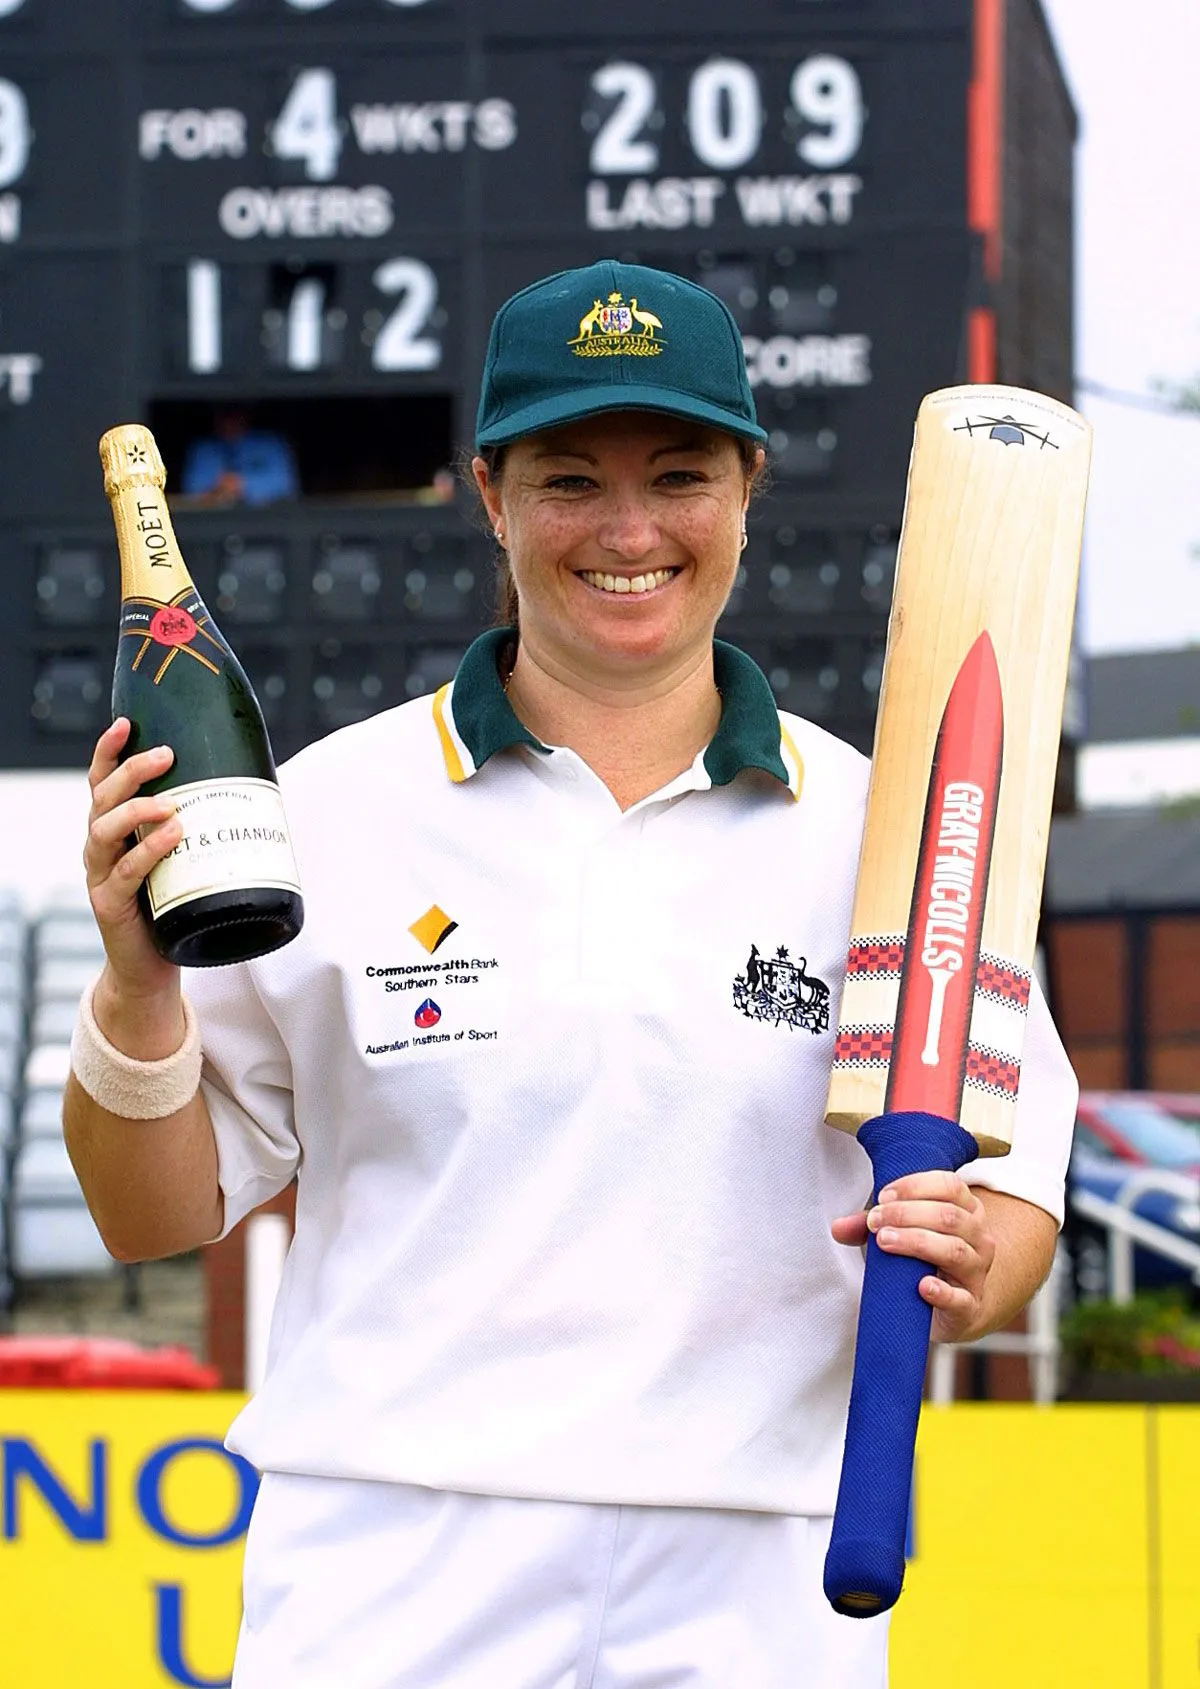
(354,1585)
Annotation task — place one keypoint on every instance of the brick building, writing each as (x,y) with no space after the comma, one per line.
(1121,926)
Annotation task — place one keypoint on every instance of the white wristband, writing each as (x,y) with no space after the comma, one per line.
(134,1090)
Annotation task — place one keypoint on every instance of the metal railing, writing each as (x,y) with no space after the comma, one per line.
(1127,1229)
(1038,1342)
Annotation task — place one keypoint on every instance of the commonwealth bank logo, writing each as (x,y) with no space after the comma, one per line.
(617,330)
(433,928)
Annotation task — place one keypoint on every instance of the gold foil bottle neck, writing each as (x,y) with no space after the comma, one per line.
(130,458)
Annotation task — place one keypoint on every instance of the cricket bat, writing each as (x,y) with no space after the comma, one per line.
(928,1049)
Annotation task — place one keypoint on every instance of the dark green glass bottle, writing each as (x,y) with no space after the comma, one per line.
(229,890)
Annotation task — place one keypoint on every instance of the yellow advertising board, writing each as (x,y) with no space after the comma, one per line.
(1053,1548)
(122,1533)
(1030,1563)
(1175,1452)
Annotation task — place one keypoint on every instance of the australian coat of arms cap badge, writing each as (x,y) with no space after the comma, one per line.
(614,329)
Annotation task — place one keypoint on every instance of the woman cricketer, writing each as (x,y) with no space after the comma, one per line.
(560,1362)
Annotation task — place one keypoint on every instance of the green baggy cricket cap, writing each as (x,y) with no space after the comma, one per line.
(613,337)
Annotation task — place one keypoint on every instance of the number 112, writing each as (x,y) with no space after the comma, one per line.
(399,341)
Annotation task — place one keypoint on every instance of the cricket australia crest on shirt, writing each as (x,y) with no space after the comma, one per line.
(778,989)
(617,330)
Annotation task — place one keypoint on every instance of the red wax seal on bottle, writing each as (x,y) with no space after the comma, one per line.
(172,626)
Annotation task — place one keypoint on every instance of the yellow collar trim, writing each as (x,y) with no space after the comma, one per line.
(793,762)
(454,763)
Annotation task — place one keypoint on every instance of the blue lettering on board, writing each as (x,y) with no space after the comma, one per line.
(149,1494)
(85,1520)
(169,1604)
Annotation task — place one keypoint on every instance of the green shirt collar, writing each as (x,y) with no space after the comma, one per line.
(482,721)
(749,734)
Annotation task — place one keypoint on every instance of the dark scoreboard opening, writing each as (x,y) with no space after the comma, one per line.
(371,447)
(309,212)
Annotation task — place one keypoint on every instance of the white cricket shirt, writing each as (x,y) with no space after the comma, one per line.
(552,1077)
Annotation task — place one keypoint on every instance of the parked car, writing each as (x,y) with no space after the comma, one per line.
(1120,1136)
(1146,1128)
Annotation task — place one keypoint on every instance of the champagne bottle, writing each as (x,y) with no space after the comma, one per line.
(229,890)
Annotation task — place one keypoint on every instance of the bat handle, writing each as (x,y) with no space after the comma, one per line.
(864,1566)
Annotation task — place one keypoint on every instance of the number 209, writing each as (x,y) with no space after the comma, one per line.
(724,117)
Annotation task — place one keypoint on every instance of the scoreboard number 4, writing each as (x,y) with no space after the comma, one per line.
(307,125)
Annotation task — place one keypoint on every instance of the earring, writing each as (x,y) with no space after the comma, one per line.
(745,539)
(499,532)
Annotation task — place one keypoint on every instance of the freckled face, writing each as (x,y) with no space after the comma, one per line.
(623,535)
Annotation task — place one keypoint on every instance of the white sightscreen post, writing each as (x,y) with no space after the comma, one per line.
(268,1237)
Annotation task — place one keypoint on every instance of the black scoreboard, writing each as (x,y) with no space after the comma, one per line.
(310,209)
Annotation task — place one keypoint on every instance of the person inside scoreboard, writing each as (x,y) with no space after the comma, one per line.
(239,464)
(560,1362)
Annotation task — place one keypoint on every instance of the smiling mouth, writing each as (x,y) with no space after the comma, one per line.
(627,584)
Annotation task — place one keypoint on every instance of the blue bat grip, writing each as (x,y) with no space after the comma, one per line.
(864,1566)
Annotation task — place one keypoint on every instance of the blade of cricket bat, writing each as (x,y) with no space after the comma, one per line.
(928,1049)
